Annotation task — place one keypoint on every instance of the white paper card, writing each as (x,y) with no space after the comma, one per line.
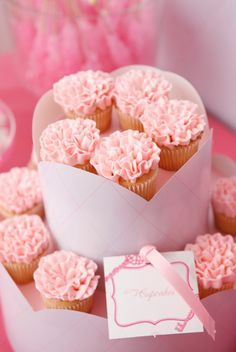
(141,302)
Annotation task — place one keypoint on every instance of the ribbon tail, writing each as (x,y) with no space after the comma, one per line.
(167,270)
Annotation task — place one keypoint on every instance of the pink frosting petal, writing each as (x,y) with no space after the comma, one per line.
(66,276)
(69,141)
(20,190)
(137,88)
(84,92)
(224,196)
(215,258)
(173,122)
(22,239)
(128,155)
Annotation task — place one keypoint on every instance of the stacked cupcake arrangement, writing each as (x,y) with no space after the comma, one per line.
(157,132)
(64,279)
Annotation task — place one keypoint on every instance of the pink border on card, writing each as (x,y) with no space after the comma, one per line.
(137,262)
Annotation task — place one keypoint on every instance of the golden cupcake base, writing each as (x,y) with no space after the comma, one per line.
(86,167)
(84,305)
(145,186)
(101,117)
(225,224)
(173,159)
(38,209)
(22,273)
(128,122)
(203,292)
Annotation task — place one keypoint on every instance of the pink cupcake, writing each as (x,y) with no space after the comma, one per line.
(224,204)
(129,158)
(134,90)
(176,127)
(20,193)
(71,142)
(66,281)
(23,241)
(215,259)
(86,94)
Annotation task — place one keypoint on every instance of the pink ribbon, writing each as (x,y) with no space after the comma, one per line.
(166,269)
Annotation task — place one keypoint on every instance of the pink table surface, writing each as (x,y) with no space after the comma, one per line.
(22,103)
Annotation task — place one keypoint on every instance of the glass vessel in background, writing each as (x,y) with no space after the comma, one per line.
(57,37)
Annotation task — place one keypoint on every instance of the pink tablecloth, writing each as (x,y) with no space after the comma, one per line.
(22,103)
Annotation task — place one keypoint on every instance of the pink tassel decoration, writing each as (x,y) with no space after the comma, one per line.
(58,37)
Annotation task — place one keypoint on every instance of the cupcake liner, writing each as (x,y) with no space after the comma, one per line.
(84,305)
(32,165)
(86,167)
(38,209)
(101,117)
(225,224)
(204,292)
(173,159)
(145,186)
(127,122)
(22,273)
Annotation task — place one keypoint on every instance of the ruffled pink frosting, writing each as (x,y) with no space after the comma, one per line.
(127,155)
(172,123)
(224,196)
(215,259)
(66,276)
(69,141)
(83,92)
(137,88)
(20,190)
(22,239)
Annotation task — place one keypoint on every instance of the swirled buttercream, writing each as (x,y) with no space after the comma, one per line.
(20,190)
(84,92)
(224,196)
(173,123)
(22,239)
(66,276)
(69,141)
(215,259)
(137,88)
(127,155)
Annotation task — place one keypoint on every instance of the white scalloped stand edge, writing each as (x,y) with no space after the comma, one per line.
(63,330)
(31,329)
(181,207)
